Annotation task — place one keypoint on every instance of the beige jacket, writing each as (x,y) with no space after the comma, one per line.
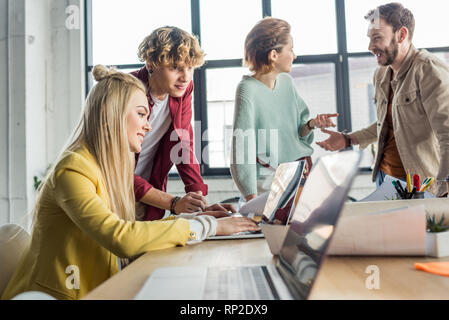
(420,116)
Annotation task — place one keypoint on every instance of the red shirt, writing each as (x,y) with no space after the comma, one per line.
(188,168)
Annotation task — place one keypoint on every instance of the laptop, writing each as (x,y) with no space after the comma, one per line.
(301,256)
(283,191)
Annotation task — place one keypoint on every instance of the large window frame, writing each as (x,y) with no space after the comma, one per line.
(339,59)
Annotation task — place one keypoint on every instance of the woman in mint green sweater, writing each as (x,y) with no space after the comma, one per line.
(271,121)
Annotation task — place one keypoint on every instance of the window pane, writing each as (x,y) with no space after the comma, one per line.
(224,26)
(361,71)
(119,27)
(316,86)
(313,24)
(221,86)
(430,17)
(363,110)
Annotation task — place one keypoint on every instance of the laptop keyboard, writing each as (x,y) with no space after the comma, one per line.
(247,283)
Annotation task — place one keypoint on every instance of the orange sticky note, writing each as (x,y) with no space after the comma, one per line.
(440,268)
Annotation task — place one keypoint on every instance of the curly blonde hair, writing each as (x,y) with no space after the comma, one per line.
(268,34)
(171,46)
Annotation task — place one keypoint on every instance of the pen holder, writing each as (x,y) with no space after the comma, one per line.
(397,196)
(418,195)
(409,195)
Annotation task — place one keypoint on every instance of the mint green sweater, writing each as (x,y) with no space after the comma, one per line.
(267,125)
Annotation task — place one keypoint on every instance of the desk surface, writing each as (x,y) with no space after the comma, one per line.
(339,278)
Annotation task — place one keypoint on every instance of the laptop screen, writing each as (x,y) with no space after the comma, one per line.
(314,219)
(283,190)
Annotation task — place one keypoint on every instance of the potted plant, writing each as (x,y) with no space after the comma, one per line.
(437,238)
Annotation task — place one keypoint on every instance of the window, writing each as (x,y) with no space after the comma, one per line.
(316,86)
(313,25)
(363,110)
(361,71)
(430,17)
(333,71)
(221,86)
(224,26)
(119,27)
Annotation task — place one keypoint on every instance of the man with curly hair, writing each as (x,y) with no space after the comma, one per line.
(171,56)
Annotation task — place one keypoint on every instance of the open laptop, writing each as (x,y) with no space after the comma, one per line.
(301,256)
(283,190)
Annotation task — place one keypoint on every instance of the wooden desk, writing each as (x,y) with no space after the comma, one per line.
(340,277)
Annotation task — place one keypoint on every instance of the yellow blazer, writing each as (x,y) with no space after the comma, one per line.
(76,238)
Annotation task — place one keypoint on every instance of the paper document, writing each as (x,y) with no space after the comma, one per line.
(394,232)
(255,205)
(435,206)
(386,191)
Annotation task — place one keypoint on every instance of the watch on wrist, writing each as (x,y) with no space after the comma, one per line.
(173,203)
(348,140)
(309,126)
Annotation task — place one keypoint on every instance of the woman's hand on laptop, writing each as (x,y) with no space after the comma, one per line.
(231,225)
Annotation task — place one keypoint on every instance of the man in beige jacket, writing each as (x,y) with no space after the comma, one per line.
(412,102)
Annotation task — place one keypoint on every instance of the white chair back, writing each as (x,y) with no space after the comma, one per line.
(13,242)
(33,295)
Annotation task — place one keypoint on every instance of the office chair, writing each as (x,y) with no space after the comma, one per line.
(13,242)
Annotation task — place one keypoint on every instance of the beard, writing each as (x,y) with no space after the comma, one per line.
(391,53)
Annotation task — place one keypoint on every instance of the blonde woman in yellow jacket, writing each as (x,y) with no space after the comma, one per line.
(84,218)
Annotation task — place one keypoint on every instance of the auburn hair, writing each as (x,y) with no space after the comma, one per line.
(268,34)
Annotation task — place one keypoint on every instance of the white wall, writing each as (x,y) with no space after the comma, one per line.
(12,106)
(4,117)
(37,78)
(41,94)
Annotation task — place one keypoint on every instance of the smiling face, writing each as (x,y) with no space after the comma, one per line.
(383,43)
(172,80)
(137,120)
